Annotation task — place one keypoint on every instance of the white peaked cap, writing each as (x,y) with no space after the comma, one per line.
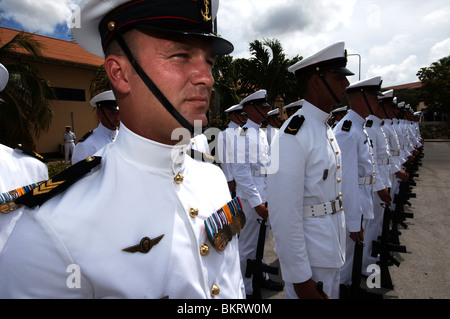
(333,58)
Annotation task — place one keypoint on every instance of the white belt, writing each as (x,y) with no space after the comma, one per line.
(366,180)
(329,208)
(384,161)
(259,174)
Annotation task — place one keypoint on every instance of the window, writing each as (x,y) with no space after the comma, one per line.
(66,94)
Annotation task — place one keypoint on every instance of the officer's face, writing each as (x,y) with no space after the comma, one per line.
(180,66)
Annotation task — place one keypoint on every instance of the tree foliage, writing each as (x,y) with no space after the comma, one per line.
(266,69)
(26,111)
(435,91)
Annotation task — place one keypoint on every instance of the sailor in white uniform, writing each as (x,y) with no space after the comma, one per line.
(304,194)
(375,128)
(69,138)
(250,174)
(147,221)
(106,131)
(358,177)
(20,171)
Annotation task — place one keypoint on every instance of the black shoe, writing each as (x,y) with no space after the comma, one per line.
(269,284)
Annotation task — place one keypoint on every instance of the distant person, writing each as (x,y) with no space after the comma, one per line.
(106,131)
(69,143)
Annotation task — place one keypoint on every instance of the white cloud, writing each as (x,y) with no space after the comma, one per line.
(396,73)
(386,34)
(439,50)
(41,16)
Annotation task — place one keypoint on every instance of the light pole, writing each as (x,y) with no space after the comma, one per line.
(359,76)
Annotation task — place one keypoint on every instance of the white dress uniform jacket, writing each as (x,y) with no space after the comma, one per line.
(100,137)
(358,178)
(16,170)
(133,193)
(308,174)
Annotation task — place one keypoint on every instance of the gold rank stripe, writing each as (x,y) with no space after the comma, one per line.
(46,187)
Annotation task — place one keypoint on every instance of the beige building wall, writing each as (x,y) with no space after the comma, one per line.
(80,115)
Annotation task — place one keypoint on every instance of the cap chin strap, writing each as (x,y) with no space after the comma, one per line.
(328,87)
(367,102)
(107,118)
(151,85)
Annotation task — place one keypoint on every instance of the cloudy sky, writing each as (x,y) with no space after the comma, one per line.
(394,38)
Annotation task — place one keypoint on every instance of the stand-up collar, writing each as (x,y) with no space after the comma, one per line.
(314,112)
(140,150)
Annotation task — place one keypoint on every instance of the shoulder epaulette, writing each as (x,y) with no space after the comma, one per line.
(31,153)
(244,131)
(201,156)
(85,136)
(58,183)
(347,126)
(369,123)
(294,125)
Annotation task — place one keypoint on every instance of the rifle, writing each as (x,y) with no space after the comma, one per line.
(384,247)
(354,290)
(256,267)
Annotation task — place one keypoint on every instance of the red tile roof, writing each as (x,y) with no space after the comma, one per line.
(413,85)
(56,49)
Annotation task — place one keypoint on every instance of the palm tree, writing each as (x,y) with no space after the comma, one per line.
(226,81)
(26,112)
(267,69)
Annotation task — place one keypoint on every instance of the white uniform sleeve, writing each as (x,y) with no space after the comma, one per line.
(350,184)
(242,171)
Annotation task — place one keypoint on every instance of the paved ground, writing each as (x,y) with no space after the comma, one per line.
(424,272)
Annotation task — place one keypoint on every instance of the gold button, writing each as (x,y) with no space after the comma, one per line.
(337,152)
(339,166)
(338,180)
(179,178)
(204,250)
(215,290)
(193,212)
(332,139)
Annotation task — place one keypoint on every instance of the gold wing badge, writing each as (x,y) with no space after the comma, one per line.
(206,14)
(145,245)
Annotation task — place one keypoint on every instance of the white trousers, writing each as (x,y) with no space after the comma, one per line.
(373,229)
(68,149)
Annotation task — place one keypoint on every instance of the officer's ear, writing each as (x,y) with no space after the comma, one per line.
(315,83)
(116,67)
